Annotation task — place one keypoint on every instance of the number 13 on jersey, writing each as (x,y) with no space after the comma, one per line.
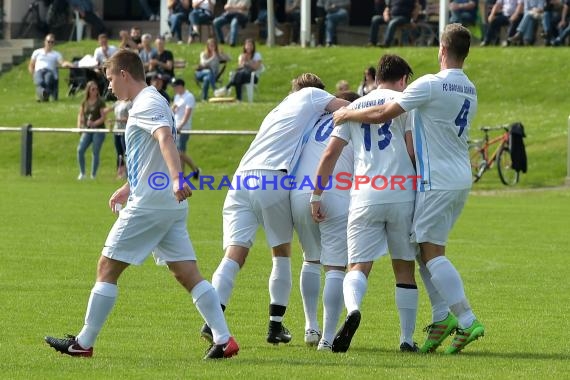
(383,132)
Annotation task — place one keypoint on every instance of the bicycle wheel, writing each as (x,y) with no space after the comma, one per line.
(477,160)
(507,174)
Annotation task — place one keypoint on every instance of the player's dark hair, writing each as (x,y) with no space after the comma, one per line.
(128,61)
(307,80)
(457,39)
(351,96)
(391,68)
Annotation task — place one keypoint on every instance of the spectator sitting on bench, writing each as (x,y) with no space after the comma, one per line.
(563,25)
(43,67)
(293,15)
(463,12)
(336,12)
(178,11)
(398,13)
(526,31)
(504,13)
(164,61)
(235,13)
(202,14)
(377,20)
(147,52)
(248,62)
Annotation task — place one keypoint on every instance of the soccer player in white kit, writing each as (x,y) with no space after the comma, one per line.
(444,105)
(382,203)
(325,243)
(260,196)
(153,220)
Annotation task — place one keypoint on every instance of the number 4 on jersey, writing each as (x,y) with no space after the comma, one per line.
(461,119)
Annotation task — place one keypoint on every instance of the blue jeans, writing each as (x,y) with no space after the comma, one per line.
(200,17)
(527,28)
(332,19)
(45,80)
(392,26)
(84,142)
(235,20)
(175,20)
(208,78)
(374,28)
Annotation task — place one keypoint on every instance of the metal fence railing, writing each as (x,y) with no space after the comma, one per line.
(27,133)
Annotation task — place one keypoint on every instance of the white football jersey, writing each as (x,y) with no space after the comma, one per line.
(182,102)
(278,143)
(305,172)
(445,105)
(380,155)
(149,112)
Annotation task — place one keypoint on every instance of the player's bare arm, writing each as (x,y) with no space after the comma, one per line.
(120,196)
(324,171)
(172,159)
(335,104)
(371,115)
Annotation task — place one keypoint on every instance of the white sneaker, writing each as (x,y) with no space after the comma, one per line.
(312,337)
(221,92)
(278,32)
(324,346)
(81,177)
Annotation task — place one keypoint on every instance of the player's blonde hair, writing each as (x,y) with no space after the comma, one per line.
(307,80)
(457,39)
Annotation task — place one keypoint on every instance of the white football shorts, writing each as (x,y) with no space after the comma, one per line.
(139,232)
(260,202)
(325,241)
(435,214)
(375,229)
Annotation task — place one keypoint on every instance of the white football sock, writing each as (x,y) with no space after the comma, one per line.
(207,302)
(101,302)
(224,278)
(448,283)
(354,288)
(310,284)
(280,283)
(439,308)
(407,304)
(332,303)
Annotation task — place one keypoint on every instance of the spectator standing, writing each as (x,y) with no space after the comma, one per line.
(183,107)
(121,110)
(43,67)
(91,116)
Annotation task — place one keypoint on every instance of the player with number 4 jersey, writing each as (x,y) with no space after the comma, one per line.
(444,105)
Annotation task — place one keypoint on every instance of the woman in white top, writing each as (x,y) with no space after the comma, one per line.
(248,62)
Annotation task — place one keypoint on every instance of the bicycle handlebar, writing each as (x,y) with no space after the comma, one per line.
(498,128)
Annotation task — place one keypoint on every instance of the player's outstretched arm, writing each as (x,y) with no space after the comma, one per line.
(324,171)
(370,115)
(172,159)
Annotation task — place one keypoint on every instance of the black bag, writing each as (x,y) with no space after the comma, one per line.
(518,151)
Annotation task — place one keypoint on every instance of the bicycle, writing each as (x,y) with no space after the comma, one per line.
(481,161)
(32,22)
